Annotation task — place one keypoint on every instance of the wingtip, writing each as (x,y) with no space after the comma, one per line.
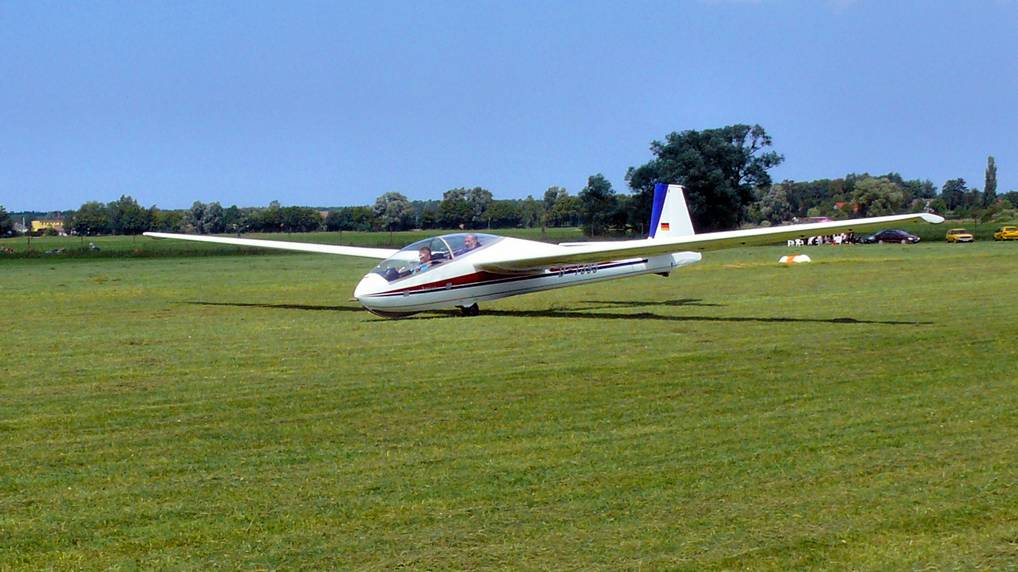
(932,218)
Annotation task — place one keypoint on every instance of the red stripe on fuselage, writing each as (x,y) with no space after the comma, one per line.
(463,280)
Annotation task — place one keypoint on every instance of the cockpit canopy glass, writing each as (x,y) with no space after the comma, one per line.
(430,253)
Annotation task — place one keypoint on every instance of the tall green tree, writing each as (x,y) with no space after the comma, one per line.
(454,211)
(93,218)
(566,211)
(621,217)
(532,212)
(394,211)
(953,192)
(233,219)
(196,217)
(479,200)
(990,188)
(429,217)
(128,217)
(551,196)
(597,204)
(214,220)
(774,205)
(878,196)
(210,218)
(720,169)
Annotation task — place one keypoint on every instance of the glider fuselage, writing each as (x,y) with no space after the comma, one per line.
(397,287)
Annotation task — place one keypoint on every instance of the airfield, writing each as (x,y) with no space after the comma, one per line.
(239,411)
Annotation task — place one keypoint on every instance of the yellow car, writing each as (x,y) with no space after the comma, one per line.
(1006,233)
(959,235)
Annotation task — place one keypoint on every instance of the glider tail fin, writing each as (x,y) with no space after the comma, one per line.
(670,215)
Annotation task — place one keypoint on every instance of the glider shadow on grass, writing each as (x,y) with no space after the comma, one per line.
(581,314)
(605,304)
(282,306)
(588,314)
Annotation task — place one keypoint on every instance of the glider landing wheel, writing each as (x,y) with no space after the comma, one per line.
(471,310)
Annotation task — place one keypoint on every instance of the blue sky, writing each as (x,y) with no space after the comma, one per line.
(330,103)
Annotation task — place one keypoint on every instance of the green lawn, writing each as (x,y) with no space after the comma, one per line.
(857,413)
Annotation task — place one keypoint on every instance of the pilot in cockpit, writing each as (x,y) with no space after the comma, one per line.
(424,255)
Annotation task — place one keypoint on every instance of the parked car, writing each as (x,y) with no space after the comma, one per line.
(1006,233)
(891,235)
(959,235)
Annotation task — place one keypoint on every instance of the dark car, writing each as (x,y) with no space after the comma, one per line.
(891,235)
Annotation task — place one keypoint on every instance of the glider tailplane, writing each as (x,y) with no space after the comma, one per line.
(670,215)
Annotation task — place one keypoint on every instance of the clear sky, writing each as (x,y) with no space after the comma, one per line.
(333,103)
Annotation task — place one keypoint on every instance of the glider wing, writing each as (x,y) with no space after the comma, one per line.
(581,252)
(364,252)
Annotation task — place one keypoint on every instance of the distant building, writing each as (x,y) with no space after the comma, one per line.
(57,225)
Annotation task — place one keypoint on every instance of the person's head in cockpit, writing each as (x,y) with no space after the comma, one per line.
(470,242)
(424,255)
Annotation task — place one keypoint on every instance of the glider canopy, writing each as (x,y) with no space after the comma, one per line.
(440,249)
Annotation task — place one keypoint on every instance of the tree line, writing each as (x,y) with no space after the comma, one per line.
(725,172)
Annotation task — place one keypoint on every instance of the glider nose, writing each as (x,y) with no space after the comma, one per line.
(371,284)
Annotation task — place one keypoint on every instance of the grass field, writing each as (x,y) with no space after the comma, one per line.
(239,412)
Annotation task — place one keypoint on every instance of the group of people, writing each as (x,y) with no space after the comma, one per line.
(426,261)
(843,238)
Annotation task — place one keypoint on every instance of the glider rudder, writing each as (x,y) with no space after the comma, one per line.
(669,217)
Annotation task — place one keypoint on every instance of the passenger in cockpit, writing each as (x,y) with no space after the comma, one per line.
(469,243)
(424,255)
